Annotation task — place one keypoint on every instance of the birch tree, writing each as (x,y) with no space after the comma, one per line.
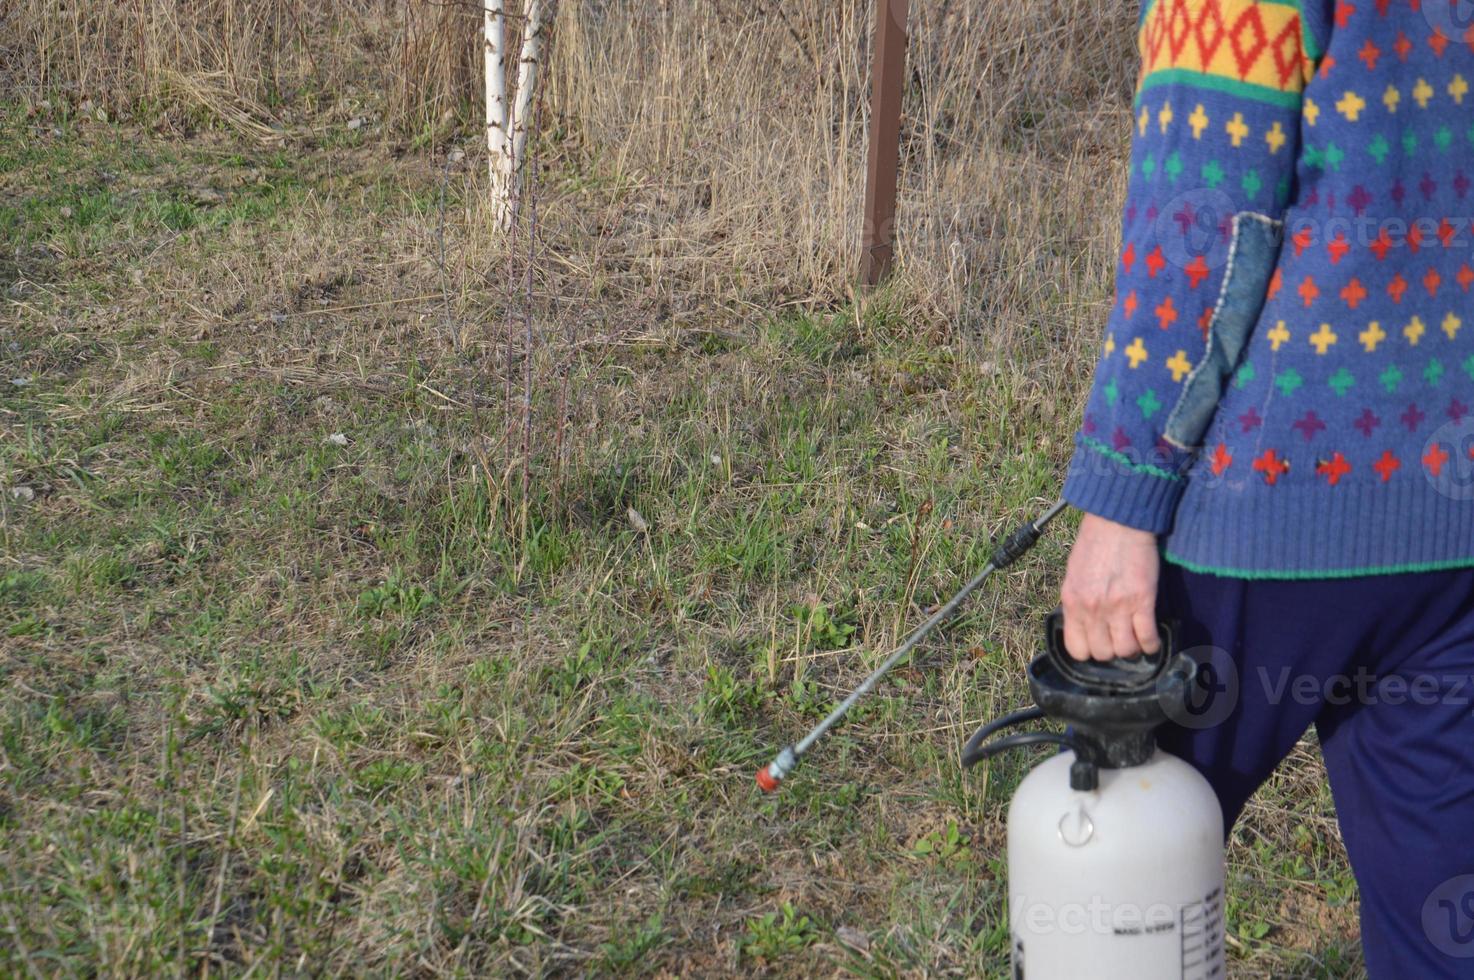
(508,114)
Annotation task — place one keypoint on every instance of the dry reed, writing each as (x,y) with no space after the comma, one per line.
(731,134)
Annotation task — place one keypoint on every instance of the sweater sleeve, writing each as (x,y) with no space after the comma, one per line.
(1215,138)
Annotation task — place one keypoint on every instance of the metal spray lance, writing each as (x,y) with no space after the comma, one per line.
(1013,547)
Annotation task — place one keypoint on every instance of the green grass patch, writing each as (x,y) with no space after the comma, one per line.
(276,702)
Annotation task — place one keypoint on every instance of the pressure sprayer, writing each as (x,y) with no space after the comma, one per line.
(1115,848)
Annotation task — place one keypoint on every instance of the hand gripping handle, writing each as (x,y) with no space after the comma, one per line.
(1123,675)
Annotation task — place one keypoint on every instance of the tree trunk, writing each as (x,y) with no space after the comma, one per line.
(527,71)
(507,120)
(498,138)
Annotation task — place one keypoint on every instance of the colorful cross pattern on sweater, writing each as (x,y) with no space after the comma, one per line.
(1340,435)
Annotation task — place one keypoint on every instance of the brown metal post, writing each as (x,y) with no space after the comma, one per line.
(888,82)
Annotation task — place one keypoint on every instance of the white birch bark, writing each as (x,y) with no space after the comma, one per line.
(498,137)
(527,71)
(508,119)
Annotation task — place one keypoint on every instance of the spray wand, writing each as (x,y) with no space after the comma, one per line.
(1011,550)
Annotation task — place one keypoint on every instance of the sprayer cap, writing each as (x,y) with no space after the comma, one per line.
(765,780)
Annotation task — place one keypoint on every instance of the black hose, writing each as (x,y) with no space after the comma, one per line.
(972,755)
(1021,717)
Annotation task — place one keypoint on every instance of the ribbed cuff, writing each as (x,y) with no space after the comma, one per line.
(1109,485)
(1246,529)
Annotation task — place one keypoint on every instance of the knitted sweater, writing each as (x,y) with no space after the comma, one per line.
(1286,384)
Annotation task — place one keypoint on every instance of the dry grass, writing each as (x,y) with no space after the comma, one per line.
(426,699)
(120,55)
(753,143)
(711,118)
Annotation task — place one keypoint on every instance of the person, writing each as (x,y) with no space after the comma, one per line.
(1278,446)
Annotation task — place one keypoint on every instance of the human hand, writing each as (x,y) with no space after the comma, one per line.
(1109,594)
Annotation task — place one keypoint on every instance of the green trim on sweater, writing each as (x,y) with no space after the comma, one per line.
(1261,576)
(1126,461)
(1196,79)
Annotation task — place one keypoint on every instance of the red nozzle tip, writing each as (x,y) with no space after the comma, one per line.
(765,780)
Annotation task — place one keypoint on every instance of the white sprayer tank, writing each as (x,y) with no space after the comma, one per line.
(1124,882)
(1115,848)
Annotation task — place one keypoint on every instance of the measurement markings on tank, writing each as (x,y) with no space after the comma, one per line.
(1202,938)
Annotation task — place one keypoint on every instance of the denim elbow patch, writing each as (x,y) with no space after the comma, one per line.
(1253,255)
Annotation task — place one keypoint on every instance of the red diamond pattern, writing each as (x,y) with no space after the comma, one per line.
(1249,22)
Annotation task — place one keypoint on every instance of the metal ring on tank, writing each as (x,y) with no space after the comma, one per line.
(1089,828)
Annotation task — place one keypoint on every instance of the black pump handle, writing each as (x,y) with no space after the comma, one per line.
(1119,676)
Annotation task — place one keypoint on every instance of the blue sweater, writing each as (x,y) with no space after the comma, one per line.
(1286,384)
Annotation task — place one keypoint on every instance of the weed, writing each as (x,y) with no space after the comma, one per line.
(627,953)
(949,845)
(776,934)
(726,700)
(821,629)
(394,596)
(17,589)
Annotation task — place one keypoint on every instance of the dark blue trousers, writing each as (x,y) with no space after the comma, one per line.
(1383,666)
